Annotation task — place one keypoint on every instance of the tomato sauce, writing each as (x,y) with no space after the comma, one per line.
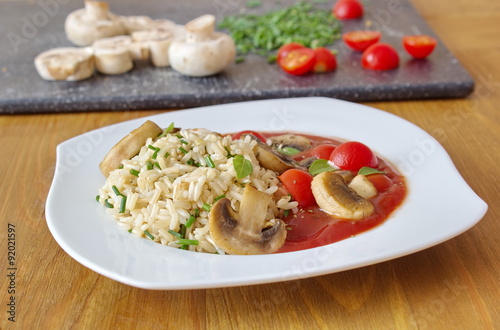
(312,227)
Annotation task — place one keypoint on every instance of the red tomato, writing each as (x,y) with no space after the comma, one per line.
(361,40)
(298,183)
(380,181)
(287,48)
(323,151)
(380,56)
(256,134)
(419,46)
(348,9)
(298,62)
(325,60)
(353,155)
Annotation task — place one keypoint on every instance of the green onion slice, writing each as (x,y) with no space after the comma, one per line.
(209,161)
(184,241)
(190,221)
(148,234)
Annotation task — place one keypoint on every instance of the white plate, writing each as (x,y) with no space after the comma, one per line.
(439,205)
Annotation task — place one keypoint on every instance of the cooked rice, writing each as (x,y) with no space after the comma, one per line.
(160,199)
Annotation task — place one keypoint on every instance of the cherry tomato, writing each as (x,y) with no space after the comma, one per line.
(325,60)
(298,62)
(287,48)
(380,56)
(256,134)
(323,151)
(348,9)
(380,181)
(419,46)
(353,155)
(298,183)
(361,40)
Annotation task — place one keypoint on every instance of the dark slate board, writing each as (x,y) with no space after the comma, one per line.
(30,27)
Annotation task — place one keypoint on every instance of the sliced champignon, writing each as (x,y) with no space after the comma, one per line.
(298,142)
(245,232)
(129,146)
(137,49)
(93,22)
(334,196)
(363,187)
(136,23)
(67,63)
(203,51)
(271,159)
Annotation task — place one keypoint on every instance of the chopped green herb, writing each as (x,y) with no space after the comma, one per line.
(190,161)
(242,166)
(196,213)
(157,165)
(156,150)
(209,161)
(116,191)
(130,230)
(368,170)
(134,172)
(166,155)
(184,142)
(206,207)
(167,130)
(264,34)
(190,221)
(289,151)
(286,213)
(149,165)
(320,166)
(183,231)
(219,197)
(176,234)
(184,151)
(184,247)
(121,166)
(184,241)
(122,205)
(228,152)
(97,198)
(148,234)
(107,204)
(179,136)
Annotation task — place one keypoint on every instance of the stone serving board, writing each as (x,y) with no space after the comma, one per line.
(29,27)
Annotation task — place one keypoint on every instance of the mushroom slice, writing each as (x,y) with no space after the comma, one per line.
(129,146)
(112,56)
(158,41)
(334,196)
(363,187)
(65,63)
(93,22)
(137,50)
(136,23)
(245,232)
(271,159)
(291,140)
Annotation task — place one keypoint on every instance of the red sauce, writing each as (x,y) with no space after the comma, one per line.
(312,227)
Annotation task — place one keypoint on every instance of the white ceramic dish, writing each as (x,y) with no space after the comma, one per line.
(439,205)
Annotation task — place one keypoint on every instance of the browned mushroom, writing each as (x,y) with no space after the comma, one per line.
(246,231)
(298,142)
(334,196)
(129,146)
(271,159)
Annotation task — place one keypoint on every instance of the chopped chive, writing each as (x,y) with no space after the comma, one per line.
(184,151)
(148,234)
(176,234)
(149,165)
(170,128)
(156,164)
(286,213)
(179,136)
(156,150)
(184,241)
(130,230)
(166,155)
(219,197)
(122,205)
(190,221)
(228,152)
(183,231)
(184,142)
(206,207)
(116,191)
(196,213)
(190,162)
(107,204)
(97,198)
(210,162)
(134,172)
(184,247)
(121,166)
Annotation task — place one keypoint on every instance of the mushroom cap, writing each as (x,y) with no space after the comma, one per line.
(65,63)
(298,142)
(246,232)
(334,196)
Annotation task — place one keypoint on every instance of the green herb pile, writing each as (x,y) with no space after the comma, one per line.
(264,34)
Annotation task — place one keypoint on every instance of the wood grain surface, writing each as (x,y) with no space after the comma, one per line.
(454,285)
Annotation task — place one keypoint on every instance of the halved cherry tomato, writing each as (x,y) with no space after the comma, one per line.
(298,62)
(325,60)
(256,134)
(380,56)
(298,183)
(419,46)
(361,40)
(287,48)
(348,9)
(380,181)
(353,155)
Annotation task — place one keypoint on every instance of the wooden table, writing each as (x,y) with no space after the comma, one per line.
(452,285)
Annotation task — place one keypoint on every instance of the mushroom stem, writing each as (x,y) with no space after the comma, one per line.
(200,28)
(97,10)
